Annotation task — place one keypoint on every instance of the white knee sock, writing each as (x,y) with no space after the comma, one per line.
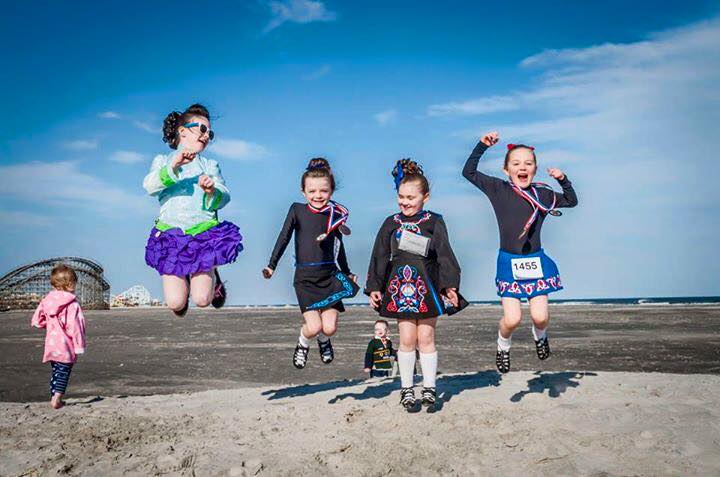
(304,342)
(504,343)
(322,338)
(406,363)
(538,334)
(428,363)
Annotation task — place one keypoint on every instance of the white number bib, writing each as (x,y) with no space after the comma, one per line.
(526,268)
(414,243)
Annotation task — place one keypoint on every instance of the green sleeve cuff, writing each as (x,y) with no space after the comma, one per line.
(214,202)
(165,178)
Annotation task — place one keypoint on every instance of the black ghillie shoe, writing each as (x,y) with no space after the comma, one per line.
(326,351)
(408,401)
(220,296)
(502,361)
(182,311)
(300,356)
(429,399)
(542,346)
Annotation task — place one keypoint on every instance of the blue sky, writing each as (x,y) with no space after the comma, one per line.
(623,96)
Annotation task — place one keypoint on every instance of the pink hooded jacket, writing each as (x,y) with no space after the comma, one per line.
(61,315)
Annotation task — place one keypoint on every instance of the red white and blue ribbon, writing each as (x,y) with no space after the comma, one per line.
(337,216)
(534,200)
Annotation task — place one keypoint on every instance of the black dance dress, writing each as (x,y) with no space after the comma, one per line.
(322,272)
(411,263)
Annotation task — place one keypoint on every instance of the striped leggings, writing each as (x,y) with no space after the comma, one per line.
(59,377)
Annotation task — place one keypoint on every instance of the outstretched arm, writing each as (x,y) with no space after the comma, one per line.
(482,181)
(568,198)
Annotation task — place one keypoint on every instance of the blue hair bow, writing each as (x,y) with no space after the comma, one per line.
(399,174)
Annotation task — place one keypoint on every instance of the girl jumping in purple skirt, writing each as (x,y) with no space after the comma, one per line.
(188,242)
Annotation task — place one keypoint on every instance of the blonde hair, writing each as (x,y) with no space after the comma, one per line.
(63,277)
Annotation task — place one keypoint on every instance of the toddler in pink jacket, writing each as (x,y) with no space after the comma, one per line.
(61,316)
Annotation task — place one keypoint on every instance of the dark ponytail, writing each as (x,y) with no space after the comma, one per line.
(407,170)
(176,119)
(318,167)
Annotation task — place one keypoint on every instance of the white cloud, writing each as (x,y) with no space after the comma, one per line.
(81,145)
(63,184)
(633,97)
(673,67)
(109,115)
(635,126)
(475,106)
(147,127)
(298,11)
(318,73)
(25,219)
(238,149)
(127,157)
(385,117)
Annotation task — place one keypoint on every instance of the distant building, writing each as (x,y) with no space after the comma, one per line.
(24,287)
(136,295)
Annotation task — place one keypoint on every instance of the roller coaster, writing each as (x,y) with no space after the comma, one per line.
(24,287)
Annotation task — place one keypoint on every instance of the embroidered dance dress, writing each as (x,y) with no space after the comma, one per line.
(321,269)
(524,270)
(412,277)
(187,237)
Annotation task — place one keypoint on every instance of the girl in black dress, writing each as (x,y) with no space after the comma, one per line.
(414,277)
(322,275)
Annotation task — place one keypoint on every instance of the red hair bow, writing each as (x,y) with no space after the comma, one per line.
(513,146)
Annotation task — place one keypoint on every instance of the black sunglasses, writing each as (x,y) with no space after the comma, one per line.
(203,129)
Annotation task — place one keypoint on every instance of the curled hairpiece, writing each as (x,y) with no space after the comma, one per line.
(403,168)
(175,119)
(317,163)
(513,146)
(170,125)
(318,167)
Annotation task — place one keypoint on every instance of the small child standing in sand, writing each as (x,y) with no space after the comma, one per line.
(61,316)
(380,352)
(524,271)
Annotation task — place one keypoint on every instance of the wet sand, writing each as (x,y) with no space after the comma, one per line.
(150,351)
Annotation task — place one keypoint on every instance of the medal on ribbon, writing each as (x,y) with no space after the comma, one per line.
(337,216)
(534,200)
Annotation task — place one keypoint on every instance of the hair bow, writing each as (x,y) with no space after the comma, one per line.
(513,146)
(399,174)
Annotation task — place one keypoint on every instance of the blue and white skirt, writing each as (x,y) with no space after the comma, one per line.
(526,276)
(323,287)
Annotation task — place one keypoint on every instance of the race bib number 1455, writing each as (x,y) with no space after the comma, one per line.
(526,268)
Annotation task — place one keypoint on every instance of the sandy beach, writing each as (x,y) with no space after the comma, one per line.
(629,391)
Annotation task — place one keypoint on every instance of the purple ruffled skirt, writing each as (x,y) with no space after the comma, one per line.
(173,252)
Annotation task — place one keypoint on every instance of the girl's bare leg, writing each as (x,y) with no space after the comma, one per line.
(175,290)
